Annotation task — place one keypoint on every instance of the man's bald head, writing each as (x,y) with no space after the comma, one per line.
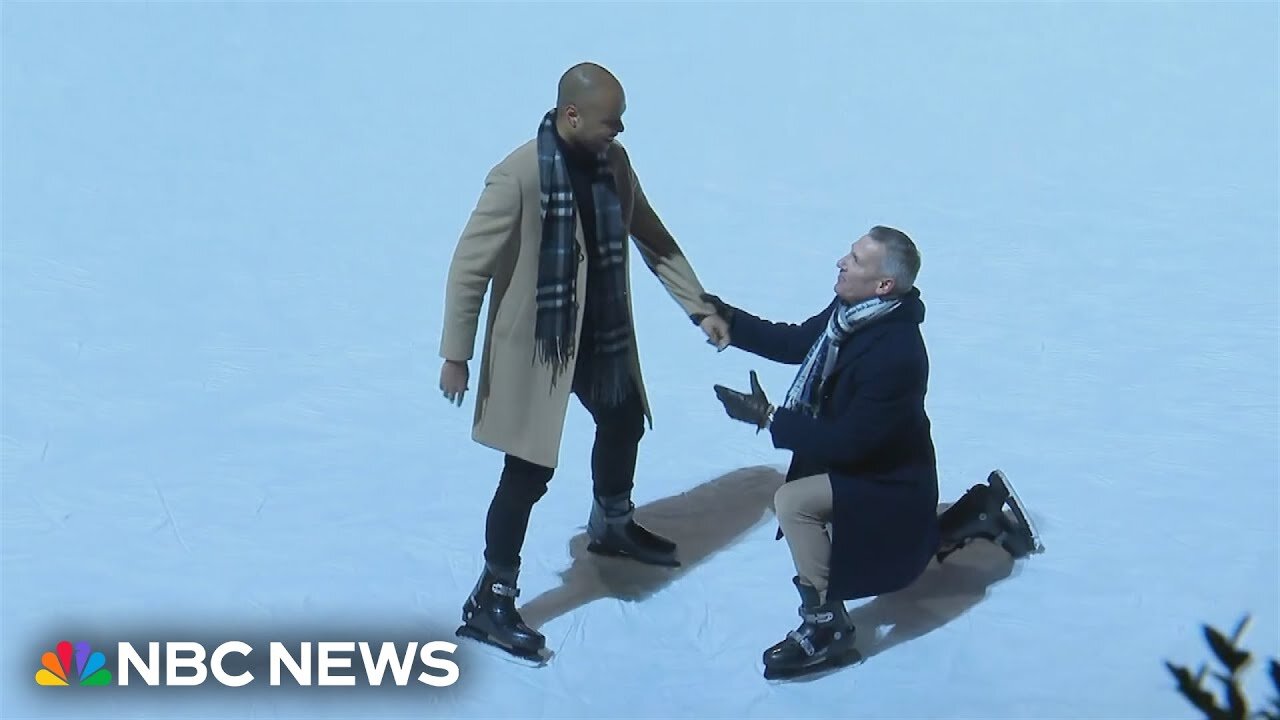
(584,83)
(589,107)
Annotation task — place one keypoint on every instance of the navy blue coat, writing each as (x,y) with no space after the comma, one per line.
(871,435)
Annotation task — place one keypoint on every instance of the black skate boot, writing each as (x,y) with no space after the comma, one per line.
(614,531)
(490,616)
(979,514)
(824,639)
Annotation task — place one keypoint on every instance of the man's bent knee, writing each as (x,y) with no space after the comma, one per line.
(804,497)
(784,501)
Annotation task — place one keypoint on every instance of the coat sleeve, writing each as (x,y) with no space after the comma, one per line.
(886,401)
(491,225)
(785,343)
(664,257)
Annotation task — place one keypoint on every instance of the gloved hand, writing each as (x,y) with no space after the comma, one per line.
(754,408)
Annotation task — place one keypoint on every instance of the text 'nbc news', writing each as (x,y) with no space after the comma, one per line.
(236,663)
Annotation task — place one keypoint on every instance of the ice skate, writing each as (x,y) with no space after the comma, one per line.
(824,640)
(490,617)
(614,532)
(980,514)
(1023,538)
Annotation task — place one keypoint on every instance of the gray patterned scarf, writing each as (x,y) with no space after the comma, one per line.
(846,318)
(558,271)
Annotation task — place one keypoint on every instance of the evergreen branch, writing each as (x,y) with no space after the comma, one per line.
(1229,653)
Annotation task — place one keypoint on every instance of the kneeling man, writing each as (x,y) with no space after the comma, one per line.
(863,455)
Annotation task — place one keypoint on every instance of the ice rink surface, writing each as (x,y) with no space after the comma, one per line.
(226,229)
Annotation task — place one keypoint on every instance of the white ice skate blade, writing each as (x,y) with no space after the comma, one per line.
(494,651)
(543,657)
(1021,511)
(815,672)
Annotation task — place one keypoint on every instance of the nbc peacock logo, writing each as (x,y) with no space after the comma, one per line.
(90,666)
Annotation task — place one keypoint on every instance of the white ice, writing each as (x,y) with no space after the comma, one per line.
(226,230)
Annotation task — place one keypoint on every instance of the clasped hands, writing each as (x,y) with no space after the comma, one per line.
(716,325)
(753,408)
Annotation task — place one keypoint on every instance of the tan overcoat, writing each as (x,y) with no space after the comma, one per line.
(519,409)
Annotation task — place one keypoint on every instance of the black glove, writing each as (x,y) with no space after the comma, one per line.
(754,408)
(722,310)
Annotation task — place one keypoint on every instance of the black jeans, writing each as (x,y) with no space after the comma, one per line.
(522,483)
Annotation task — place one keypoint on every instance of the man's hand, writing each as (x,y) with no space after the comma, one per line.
(453,380)
(754,408)
(716,326)
(717,331)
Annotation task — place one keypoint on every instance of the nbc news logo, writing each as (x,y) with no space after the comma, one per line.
(191,664)
(90,666)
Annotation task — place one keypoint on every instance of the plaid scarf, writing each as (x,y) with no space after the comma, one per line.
(558,272)
(804,394)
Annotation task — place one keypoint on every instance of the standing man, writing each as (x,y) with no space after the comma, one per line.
(549,233)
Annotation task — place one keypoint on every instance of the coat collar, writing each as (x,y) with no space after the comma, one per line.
(911,311)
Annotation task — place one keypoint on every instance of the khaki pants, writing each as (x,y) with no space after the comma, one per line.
(803,507)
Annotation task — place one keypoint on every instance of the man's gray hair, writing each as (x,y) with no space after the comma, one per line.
(901,258)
